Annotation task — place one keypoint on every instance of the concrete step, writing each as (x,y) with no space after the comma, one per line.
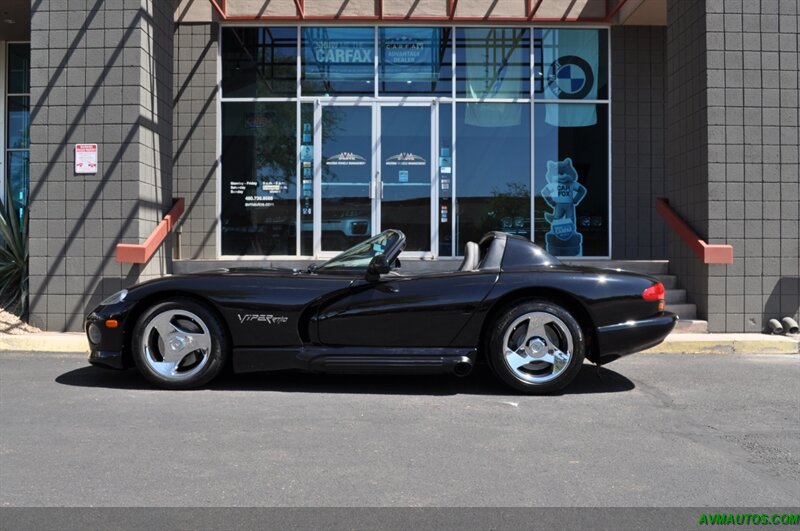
(675,296)
(684,311)
(647,267)
(669,281)
(691,326)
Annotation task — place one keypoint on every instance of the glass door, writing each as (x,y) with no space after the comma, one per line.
(406,174)
(345,188)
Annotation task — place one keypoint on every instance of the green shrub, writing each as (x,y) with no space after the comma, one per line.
(13,256)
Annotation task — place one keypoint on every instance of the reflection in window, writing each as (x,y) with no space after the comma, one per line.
(415,61)
(571,181)
(19,68)
(570,64)
(493,164)
(18,122)
(338,61)
(446,184)
(18,173)
(307,178)
(258,178)
(259,62)
(492,63)
(17,167)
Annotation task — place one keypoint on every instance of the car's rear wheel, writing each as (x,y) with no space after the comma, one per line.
(536,347)
(179,344)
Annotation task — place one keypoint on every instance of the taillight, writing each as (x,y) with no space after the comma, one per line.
(654,292)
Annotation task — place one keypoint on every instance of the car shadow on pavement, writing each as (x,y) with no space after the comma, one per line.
(480,382)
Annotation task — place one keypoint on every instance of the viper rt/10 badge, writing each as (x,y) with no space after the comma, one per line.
(261,317)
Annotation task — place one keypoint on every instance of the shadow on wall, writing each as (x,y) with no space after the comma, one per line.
(81,229)
(199,229)
(784,301)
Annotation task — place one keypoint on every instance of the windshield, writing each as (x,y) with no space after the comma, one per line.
(359,256)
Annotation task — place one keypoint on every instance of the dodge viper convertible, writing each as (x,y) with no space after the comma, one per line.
(530,318)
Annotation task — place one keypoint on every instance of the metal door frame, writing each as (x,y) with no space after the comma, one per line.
(433,253)
(375,182)
(317,215)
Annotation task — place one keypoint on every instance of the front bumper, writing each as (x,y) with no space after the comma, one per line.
(108,359)
(109,352)
(621,339)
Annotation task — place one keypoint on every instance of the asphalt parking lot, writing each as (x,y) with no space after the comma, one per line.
(653,430)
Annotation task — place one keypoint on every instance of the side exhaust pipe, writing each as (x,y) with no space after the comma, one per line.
(462,367)
(790,325)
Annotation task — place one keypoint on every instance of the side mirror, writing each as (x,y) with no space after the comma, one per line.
(378,266)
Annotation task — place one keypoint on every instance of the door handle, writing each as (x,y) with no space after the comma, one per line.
(381,189)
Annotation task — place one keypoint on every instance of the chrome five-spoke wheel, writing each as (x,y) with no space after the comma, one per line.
(536,346)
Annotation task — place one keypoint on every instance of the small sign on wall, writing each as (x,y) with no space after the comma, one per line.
(85,158)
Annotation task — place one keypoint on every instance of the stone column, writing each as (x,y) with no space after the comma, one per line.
(732,155)
(101,72)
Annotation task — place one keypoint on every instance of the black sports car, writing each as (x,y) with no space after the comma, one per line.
(509,304)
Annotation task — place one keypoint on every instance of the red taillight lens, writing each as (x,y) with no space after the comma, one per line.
(654,293)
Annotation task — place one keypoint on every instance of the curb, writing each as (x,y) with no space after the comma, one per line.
(68,343)
(726,344)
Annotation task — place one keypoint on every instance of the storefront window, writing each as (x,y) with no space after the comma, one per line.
(492,63)
(18,123)
(307,178)
(259,212)
(442,132)
(415,61)
(571,179)
(338,61)
(446,183)
(259,62)
(493,161)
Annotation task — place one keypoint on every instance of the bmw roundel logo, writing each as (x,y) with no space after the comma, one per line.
(570,78)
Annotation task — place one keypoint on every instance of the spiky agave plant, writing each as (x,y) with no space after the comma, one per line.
(13,255)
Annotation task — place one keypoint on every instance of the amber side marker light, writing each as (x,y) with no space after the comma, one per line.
(111,323)
(656,292)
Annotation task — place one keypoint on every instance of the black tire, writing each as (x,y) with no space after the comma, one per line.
(521,379)
(184,312)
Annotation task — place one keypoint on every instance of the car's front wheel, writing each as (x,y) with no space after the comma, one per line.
(179,344)
(536,347)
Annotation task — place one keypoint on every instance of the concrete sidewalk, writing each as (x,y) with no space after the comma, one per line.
(75,342)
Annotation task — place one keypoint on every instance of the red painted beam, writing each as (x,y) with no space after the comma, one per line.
(219,9)
(708,253)
(130,253)
(300,5)
(535,9)
(616,9)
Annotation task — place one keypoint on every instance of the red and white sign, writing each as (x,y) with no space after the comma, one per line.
(85,158)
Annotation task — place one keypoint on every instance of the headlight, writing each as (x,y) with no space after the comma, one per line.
(115,298)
